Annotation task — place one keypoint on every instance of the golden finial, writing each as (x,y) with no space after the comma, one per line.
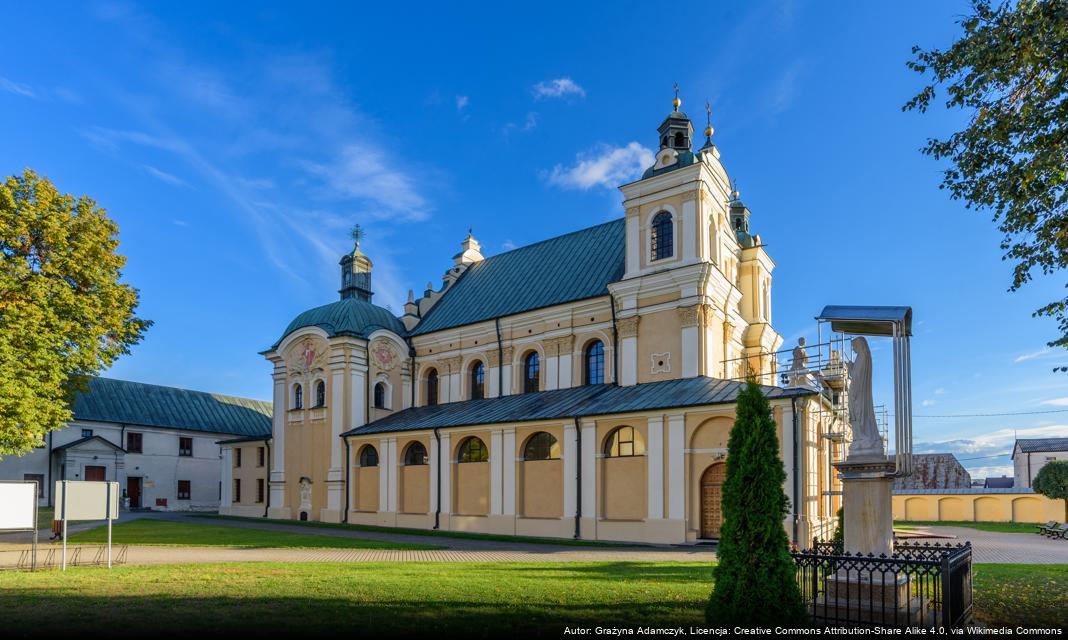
(708,112)
(676,102)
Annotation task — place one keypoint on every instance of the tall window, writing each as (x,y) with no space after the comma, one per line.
(185,447)
(624,442)
(473,450)
(237,457)
(134,442)
(184,489)
(594,363)
(261,456)
(662,243)
(541,446)
(415,454)
(432,387)
(259,490)
(369,456)
(531,372)
(298,396)
(320,394)
(380,395)
(237,490)
(478,381)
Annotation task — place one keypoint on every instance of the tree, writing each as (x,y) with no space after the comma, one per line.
(1052,482)
(1009,71)
(64,315)
(839,529)
(755,578)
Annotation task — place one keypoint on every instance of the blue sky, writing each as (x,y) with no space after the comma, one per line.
(236,144)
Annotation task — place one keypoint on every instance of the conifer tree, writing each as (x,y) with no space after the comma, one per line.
(754,581)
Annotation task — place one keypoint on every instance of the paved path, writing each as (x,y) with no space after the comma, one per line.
(990,546)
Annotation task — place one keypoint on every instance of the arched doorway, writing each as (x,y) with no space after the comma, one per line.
(712,500)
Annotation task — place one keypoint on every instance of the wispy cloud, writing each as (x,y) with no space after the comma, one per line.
(529,124)
(784,91)
(603,166)
(1034,355)
(169,178)
(1057,402)
(16,88)
(364,173)
(928,402)
(557,88)
(462,102)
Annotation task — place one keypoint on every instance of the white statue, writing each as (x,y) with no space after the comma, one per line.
(305,495)
(866,438)
(798,375)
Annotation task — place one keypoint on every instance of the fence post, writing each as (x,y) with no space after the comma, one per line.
(947,591)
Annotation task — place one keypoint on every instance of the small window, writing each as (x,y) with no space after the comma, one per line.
(237,457)
(680,140)
(623,443)
(185,447)
(87,433)
(298,396)
(380,395)
(260,490)
(432,388)
(415,454)
(473,450)
(261,456)
(541,446)
(662,242)
(478,381)
(184,490)
(594,363)
(531,372)
(369,456)
(134,443)
(237,490)
(320,394)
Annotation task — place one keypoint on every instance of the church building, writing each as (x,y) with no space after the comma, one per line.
(583,386)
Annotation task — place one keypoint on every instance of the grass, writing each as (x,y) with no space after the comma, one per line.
(430,532)
(1021,595)
(477,599)
(484,599)
(998,527)
(168,533)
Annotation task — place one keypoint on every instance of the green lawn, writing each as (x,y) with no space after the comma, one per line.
(485,599)
(1021,595)
(164,532)
(999,527)
(432,533)
(44,517)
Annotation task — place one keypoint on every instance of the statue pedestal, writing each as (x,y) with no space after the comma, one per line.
(867,483)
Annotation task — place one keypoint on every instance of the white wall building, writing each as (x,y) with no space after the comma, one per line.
(159,443)
(1029,455)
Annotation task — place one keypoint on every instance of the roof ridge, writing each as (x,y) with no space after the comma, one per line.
(167,386)
(550,239)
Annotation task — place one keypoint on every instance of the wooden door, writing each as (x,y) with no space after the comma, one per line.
(712,500)
(95,474)
(133,492)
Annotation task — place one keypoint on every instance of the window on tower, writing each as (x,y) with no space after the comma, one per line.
(662,241)
(594,363)
(432,387)
(478,381)
(531,372)
(380,395)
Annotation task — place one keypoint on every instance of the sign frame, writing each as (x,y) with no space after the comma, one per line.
(110,488)
(36,498)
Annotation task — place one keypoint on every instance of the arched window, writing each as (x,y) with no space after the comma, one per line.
(478,381)
(473,450)
(680,139)
(624,442)
(663,242)
(380,395)
(432,387)
(368,456)
(531,372)
(320,394)
(298,396)
(415,454)
(541,446)
(594,363)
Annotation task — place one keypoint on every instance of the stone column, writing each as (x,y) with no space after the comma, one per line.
(508,456)
(277,478)
(654,456)
(496,458)
(628,347)
(867,504)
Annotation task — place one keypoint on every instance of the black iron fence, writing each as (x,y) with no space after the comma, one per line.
(919,585)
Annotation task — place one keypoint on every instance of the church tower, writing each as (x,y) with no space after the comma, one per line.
(356,271)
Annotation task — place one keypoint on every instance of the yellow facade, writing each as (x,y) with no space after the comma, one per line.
(977,506)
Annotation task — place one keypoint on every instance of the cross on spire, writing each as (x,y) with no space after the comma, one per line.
(676,102)
(357,233)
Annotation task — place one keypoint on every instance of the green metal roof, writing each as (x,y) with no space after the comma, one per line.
(136,403)
(590,400)
(575,266)
(348,317)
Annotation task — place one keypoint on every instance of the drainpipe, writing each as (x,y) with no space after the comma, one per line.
(615,342)
(796,465)
(51,498)
(348,472)
(411,369)
(437,503)
(267,498)
(578,479)
(1028,470)
(500,360)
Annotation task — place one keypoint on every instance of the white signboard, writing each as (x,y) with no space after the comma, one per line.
(18,506)
(84,500)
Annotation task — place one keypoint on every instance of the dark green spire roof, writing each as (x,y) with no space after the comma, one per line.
(348,317)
